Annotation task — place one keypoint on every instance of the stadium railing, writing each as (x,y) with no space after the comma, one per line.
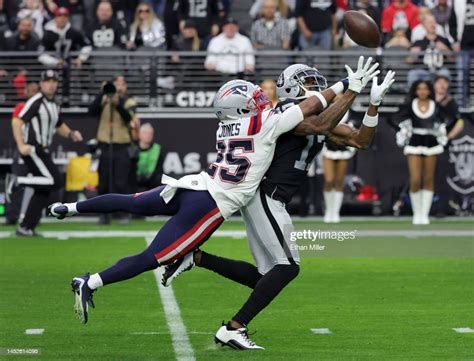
(179,82)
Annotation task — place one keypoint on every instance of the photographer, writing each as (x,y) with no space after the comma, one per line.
(117,119)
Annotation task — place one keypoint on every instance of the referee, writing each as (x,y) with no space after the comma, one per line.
(33,130)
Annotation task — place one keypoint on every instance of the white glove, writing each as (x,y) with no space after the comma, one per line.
(442,137)
(359,79)
(377,92)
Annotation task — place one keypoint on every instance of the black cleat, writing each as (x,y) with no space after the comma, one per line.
(58,210)
(26,232)
(82,296)
(175,269)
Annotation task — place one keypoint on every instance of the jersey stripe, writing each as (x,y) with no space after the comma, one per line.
(255,124)
(192,237)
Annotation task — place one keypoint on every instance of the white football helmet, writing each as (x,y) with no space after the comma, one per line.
(239,98)
(291,82)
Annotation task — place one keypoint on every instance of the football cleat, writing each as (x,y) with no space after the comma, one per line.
(236,338)
(173,270)
(83,297)
(26,232)
(10,186)
(59,210)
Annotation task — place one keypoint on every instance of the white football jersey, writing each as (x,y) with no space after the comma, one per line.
(245,150)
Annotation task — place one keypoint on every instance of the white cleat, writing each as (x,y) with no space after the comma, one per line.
(237,339)
(175,269)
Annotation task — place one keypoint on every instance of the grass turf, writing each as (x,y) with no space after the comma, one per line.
(384,298)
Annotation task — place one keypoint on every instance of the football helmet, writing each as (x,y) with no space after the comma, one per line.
(239,98)
(291,82)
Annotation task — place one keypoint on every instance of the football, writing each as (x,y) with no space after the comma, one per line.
(362,29)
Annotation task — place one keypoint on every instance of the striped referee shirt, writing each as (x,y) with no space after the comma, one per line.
(41,118)
(270,34)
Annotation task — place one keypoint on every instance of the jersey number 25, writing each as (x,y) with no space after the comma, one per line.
(226,156)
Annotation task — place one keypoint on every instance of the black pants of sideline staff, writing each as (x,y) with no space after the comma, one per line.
(44,178)
(120,168)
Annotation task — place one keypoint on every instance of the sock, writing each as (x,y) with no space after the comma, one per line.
(415,198)
(328,205)
(71,208)
(238,271)
(105,203)
(266,289)
(426,200)
(129,267)
(95,281)
(336,210)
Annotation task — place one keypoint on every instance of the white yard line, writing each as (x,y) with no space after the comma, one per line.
(239,234)
(321,331)
(179,336)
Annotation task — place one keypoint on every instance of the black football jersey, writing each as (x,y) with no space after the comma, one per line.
(291,161)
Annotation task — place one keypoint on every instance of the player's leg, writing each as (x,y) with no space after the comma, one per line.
(328,192)
(195,219)
(274,226)
(414,168)
(276,259)
(340,174)
(147,203)
(429,169)
(238,271)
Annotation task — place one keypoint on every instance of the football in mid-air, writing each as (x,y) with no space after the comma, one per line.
(362,29)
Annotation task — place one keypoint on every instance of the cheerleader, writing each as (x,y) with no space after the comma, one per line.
(423,135)
(335,160)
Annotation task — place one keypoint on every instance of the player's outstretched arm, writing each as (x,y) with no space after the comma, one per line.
(361,138)
(324,122)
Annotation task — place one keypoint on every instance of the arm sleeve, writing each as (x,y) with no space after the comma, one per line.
(299,8)
(123,111)
(96,106)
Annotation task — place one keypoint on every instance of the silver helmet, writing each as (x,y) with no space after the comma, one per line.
(239,98)
(291,82)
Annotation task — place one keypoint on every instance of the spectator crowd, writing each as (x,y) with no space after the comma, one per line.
(432,30)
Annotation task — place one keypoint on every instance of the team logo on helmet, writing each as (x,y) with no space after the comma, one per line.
(281,80)
(236,89)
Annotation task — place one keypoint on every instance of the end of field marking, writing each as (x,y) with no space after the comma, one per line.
(463,330)
(321,331)
(34,331)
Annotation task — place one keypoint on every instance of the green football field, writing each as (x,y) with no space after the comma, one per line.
(394,292)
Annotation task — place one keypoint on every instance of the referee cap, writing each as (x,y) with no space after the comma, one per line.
(49,74)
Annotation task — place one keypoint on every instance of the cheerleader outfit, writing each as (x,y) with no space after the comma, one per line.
(425,132)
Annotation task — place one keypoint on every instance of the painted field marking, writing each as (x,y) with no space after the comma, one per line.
(167,333)
(321,331)
(179,336)
(463,330)
(240,234)
(34,331)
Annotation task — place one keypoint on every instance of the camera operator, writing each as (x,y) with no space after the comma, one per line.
(117,120)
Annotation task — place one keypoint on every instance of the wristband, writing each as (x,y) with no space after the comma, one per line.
(321,99)
(338,88)
(370,121)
